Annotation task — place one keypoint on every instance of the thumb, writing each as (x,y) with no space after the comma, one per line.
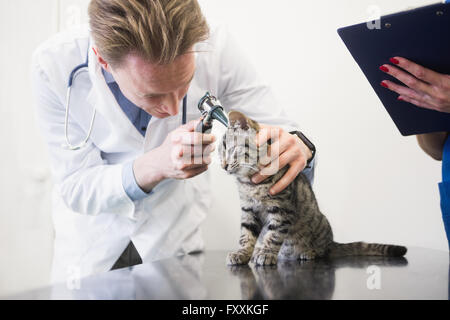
(191,125)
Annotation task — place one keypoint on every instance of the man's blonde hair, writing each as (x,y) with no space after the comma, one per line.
(157,30)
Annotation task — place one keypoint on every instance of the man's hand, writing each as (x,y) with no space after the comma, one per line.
(285,150)
(183,155)
(425,88)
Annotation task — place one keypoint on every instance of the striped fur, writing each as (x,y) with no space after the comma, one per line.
(285,226)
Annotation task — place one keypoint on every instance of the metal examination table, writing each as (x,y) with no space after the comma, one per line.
(421,274)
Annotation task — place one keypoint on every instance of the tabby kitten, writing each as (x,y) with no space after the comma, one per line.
(285,226)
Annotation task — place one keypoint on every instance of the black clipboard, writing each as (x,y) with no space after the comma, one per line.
(421,35)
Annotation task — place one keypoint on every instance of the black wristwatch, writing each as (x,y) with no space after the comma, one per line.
(308,143)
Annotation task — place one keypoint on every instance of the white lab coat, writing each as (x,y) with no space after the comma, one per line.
(94,219)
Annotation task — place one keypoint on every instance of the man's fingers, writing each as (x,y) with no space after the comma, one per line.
(197,151)
(190,126)
(266,134)
(268,171)
(279,163)
(287,179)
(192,138)
(208,149)
(418,71)
(197,138)
(192,163)
(273,151)
(278,148)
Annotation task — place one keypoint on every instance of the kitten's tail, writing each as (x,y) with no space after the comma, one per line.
(365,249)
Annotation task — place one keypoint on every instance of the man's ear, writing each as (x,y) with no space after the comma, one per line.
(100,60)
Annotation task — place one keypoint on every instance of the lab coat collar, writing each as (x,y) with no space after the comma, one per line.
(102,99)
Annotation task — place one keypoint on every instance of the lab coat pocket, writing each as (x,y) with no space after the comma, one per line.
(165,220)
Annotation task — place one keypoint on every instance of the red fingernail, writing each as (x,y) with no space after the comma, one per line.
(394,61)
(400,98)
(384,84)
(384,69)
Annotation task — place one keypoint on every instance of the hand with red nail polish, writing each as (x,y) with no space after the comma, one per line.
(384,69)
(394,61)
(423,87)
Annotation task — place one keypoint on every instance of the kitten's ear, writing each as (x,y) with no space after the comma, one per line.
(244,122)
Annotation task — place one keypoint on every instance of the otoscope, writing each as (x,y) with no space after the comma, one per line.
(211,109)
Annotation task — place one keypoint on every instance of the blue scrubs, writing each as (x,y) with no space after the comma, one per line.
(444,188)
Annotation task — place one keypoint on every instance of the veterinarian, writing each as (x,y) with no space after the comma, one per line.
(116,102)
(430,90)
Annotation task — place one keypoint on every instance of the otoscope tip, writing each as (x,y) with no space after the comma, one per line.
(221,117)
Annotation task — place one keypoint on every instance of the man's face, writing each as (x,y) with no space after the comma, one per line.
(157,89)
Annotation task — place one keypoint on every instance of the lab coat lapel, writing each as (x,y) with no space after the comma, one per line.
(101,97)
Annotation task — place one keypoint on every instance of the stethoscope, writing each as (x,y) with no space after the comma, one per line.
(75,72)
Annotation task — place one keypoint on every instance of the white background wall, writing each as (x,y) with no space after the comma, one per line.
(372,183)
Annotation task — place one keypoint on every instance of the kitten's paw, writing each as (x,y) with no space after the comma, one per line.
(237,258)
(264,259)
(308,255)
